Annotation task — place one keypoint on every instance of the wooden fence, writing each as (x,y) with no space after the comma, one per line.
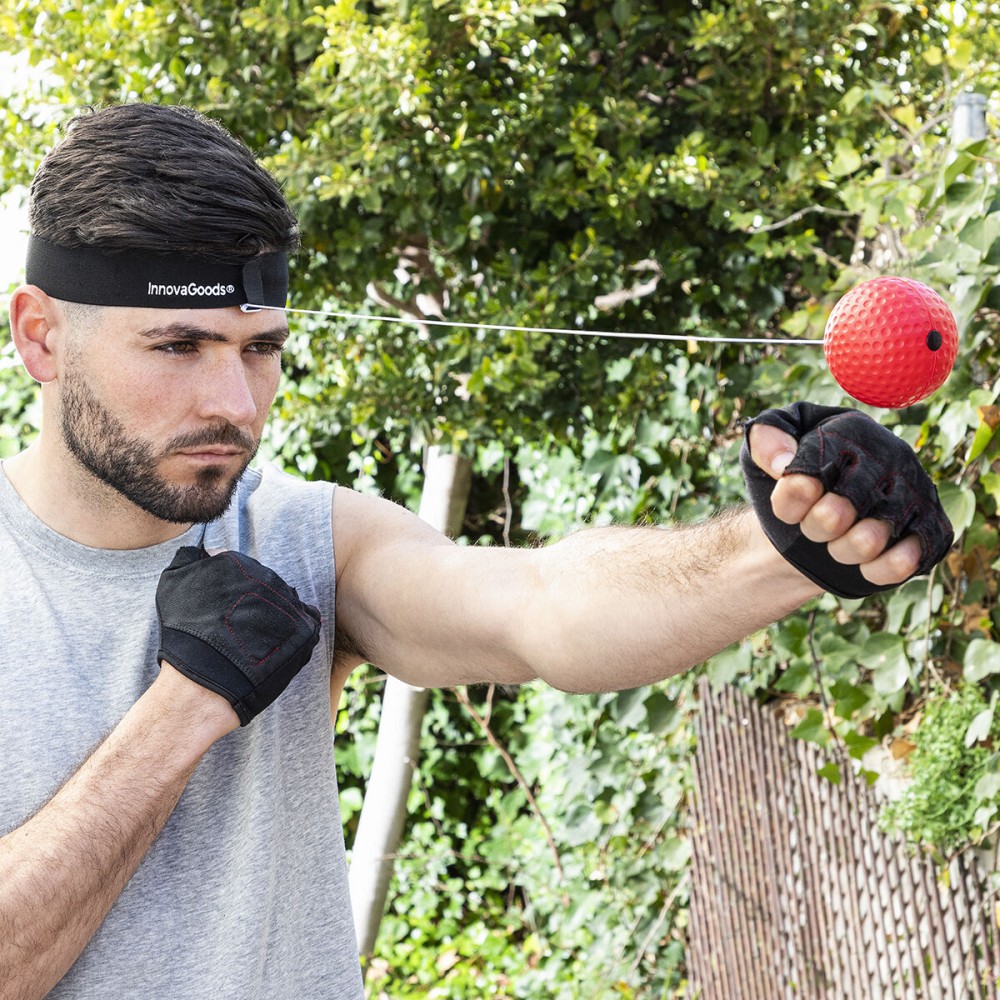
(798,895)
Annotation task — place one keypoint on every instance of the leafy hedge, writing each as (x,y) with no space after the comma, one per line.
(698,169)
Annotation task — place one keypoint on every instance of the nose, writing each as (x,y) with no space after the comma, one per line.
(227,393)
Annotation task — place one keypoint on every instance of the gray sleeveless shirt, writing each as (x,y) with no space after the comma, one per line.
(244,894)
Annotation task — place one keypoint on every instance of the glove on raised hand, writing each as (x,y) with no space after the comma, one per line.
(233,626)
(855,457)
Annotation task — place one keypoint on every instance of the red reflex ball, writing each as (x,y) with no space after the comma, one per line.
(890,341)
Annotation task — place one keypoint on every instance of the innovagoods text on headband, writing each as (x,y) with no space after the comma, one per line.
(154,280)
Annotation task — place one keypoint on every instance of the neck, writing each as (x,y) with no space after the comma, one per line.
(70,500)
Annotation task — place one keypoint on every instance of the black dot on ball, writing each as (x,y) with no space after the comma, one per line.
(934,340)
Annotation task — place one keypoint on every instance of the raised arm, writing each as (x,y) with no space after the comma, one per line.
(233,634)
(63,869)
(603,609)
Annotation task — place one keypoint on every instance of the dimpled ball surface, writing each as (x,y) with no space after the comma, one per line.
(890,341)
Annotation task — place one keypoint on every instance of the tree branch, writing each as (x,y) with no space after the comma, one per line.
(840,213)
(483,723)
(389,301)
(638,291)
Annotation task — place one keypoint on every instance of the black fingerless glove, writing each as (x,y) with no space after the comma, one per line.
(233,626)
(857,458)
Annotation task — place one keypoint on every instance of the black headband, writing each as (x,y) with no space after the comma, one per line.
(157,281)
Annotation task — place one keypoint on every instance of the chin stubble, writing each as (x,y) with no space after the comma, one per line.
(129,465)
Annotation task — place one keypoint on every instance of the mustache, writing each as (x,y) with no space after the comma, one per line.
(225,434)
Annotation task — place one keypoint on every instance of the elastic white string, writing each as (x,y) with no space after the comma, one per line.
(505,328)
(613,334)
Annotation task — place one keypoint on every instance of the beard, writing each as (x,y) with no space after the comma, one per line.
(130,465)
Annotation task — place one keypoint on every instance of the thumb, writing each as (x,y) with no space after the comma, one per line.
(771,449)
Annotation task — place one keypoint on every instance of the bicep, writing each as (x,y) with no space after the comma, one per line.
(418,606)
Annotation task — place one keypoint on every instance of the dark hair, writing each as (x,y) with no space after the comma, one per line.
(158,178)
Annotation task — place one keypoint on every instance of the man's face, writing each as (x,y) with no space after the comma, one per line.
(168,407)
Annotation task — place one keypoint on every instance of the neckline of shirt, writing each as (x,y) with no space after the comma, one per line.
(29,528)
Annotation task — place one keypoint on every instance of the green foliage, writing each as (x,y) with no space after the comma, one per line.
(699,168)
(579,890)
(955,792)
(17,397)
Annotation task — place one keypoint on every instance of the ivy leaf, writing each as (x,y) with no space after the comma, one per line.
(851,698)
(981,232)
(831,772)
(982,658)
(662,713)
(959,504)
(581,825)
(988,786)
(979,728)
(797,679)
(885,656)
(812,728)
(628,708)
(792,639)
(899,602)
(990,482)
(980,441)
(836,652)
(674,853)
(846,158)
(728,665)
(983,815)
(858,745)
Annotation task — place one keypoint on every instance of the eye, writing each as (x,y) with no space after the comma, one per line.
(177,347)
(266,347)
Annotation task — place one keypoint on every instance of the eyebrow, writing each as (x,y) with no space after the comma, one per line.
(187,331)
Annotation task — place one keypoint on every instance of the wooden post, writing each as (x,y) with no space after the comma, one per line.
(445,495)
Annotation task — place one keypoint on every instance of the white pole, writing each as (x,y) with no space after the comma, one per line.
(968,121)
(447,480)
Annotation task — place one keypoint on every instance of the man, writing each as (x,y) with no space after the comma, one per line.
(169,809)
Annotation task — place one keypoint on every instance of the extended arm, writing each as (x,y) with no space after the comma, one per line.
(604,609)
(62,870)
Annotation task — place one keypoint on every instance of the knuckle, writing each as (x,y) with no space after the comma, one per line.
(809,489)
(869,540)
(896,565)
(833,515)
(868,550)
(831,519)
(905,559)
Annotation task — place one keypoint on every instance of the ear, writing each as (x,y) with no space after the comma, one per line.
(36,325)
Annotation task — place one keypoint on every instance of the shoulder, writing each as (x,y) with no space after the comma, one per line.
(366,527)
(356,515)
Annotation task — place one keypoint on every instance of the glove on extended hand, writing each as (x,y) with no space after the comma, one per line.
(854,457)
(234,626)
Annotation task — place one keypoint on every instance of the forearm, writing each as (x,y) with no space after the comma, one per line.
(667,599)
(603,609)
(63,869)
